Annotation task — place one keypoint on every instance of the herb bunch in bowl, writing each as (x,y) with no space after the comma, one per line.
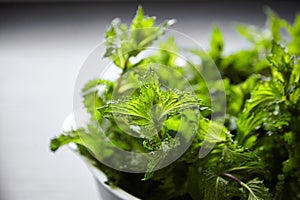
(148,127)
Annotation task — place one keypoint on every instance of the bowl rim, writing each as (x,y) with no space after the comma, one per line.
(117,191)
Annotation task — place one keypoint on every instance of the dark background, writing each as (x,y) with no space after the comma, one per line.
(42,47)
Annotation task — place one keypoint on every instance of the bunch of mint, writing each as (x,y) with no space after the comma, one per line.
(256,154)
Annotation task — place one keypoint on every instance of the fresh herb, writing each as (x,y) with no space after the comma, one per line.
(256,154)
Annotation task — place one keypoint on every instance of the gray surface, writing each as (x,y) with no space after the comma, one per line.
(41,50)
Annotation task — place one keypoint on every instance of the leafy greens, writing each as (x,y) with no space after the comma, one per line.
(257,154)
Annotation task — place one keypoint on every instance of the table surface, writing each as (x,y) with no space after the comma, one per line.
(42,47)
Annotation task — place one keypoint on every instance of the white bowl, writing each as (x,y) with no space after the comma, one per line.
(106,192)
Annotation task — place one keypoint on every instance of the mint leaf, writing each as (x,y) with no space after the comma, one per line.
(123,42)
(252,34)
(64,139)
(95,93)
(265,95)
(256,190)
(216,44)
(151,105)
(279,58)
(294,45)
(260,137)
(215,186)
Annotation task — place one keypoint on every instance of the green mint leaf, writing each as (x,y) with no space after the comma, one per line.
(64,139)
(151,105)
(95,93)
(144,31)
(279,57)
(167,53)
(294,45)
(213,186)
(252,34)
(265,95)
(123,42)
(93,84)
(282,62)
(216,44)
(256,190)
(275,24)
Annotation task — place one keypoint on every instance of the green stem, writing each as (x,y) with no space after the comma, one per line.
(159,135)
(121,76)
(125,66)
(118,85)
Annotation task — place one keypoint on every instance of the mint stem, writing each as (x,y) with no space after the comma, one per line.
(230,176)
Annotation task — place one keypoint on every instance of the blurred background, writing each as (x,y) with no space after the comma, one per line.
(42,47)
